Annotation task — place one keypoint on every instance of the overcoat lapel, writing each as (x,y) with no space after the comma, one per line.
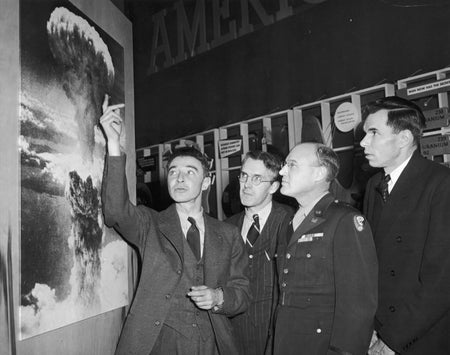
(313,219)
(394,208)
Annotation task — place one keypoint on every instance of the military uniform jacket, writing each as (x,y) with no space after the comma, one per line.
(412,237)
(158,238)
(328,283)
(252,326)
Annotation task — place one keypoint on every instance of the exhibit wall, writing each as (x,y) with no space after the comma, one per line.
(65,277)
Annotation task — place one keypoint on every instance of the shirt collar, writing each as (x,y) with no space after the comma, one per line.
(263,214)
(198,216)
(395,174)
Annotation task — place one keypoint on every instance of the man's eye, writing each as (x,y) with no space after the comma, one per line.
(256,179)
(172,172)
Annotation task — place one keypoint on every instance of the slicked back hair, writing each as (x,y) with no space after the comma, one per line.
(402,115)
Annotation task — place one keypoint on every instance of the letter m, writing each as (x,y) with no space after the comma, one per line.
(184,31)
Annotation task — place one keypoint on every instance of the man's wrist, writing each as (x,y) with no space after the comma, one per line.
(218,298)
(114,149)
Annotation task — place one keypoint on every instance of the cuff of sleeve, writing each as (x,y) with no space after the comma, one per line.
(218,307)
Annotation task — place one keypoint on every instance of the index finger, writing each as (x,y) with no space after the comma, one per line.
(116,106)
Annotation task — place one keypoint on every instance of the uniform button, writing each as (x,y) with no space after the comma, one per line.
(197,313)
(288,256)
(318,330)
(308,255)
(250,256)
(308,299)
(194,325)
(285,271)
(179,272)
(284,284)
(398,239)
(157,323)
(392,272)
(392,308)
(168,296)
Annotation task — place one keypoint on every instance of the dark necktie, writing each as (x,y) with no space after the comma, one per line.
(193,238)
(383,187)
(253,232)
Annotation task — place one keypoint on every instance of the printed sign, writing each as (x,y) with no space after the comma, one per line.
(427,89)
(436,118)
(346,117)
(229,147)
(435,145)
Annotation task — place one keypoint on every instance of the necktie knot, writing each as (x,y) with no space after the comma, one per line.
(256,221)
(193,238)
(192,221)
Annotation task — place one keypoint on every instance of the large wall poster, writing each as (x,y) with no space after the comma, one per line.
(72,267)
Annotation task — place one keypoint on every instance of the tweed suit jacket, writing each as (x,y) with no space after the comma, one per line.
(412,237)
(159,240)
(253,326)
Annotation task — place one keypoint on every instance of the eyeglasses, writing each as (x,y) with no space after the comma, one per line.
(255,179)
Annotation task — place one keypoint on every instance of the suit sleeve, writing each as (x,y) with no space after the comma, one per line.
(130,221)
(236,291)
(356,281)
(430,300)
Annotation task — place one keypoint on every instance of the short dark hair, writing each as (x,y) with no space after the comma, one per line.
(194,153)
(402,114)
(328,158)
(271,161)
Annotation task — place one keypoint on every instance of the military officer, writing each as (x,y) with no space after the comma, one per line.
(326,263)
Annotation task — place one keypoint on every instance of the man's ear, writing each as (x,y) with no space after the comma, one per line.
(274,187)
(406,138)
(321,173)
(206,182)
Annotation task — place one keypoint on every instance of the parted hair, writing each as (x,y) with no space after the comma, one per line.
(402,115)
(272,162)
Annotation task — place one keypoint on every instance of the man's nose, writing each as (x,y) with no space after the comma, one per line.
(180,177)
(282,172)
(363,142)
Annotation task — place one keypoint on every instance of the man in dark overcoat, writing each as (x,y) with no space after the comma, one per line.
(260,225)
(193,266)
(408,206)
(327,267)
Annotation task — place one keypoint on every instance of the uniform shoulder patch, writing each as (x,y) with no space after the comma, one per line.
(360,222)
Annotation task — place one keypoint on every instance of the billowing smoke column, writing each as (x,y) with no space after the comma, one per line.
(87,234)
(87,70)
(87,74)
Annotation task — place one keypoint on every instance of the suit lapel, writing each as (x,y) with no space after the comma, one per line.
(313,219)
(212,250)
(170,228)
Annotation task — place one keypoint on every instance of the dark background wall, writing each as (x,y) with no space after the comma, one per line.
(323,50)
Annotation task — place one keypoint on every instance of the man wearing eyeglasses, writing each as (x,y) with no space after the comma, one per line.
(259,225)
(327,266)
